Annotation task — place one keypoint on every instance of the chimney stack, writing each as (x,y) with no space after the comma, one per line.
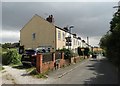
(50,19)
(87,40)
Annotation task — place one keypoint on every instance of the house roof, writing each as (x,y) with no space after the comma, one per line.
(46,21)
(60,28)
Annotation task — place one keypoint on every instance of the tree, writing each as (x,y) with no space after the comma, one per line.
(115,21)
(6,45)
(0,45)
(111,41)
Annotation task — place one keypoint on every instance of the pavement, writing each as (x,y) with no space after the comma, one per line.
(58,73)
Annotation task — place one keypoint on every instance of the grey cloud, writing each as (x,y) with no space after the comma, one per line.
(89,18)
(17,14)
(11,40)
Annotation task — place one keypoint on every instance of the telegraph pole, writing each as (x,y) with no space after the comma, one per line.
(70,35)
(87,40)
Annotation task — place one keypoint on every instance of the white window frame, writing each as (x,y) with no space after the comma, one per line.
(59,35)
(63,36)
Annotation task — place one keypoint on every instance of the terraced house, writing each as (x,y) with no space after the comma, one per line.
(42,33)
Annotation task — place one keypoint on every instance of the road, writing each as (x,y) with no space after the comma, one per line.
(90,71)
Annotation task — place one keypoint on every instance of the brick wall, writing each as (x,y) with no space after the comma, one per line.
(54,63)
(47,66)
(50,65)
(77,59)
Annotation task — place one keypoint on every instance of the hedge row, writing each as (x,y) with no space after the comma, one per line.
(11,57)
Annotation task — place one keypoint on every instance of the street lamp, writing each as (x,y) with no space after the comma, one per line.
(70,31)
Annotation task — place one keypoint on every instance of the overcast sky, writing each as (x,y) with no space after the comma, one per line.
(89,18)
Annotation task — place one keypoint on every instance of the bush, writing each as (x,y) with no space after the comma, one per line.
(67,53)
(11,57)
(85,52)
(1,68)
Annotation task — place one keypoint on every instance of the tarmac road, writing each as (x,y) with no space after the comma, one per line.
(91,71)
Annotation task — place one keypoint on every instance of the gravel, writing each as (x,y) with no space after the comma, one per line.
(19,76)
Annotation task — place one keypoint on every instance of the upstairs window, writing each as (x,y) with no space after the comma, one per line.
(63,36)
(74,42)
(78,43)
(59,35)
(33,36)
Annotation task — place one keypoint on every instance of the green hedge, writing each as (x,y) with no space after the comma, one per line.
(11,57)
(67,53)
(85,52)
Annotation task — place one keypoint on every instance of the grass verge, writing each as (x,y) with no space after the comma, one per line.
(32,71)
(1,68)
(81,59)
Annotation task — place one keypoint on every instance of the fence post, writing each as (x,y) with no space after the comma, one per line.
(53,57)
(54,61)
(39,63)
(62,55)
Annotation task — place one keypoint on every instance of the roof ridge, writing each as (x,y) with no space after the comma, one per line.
(44,19)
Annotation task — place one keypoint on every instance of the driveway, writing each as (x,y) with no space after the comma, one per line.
(19,76)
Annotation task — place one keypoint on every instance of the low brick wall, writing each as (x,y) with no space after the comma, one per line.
(43,65)
(77,59)
(47,66)
(72,60)
(62,62)
(67,62)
